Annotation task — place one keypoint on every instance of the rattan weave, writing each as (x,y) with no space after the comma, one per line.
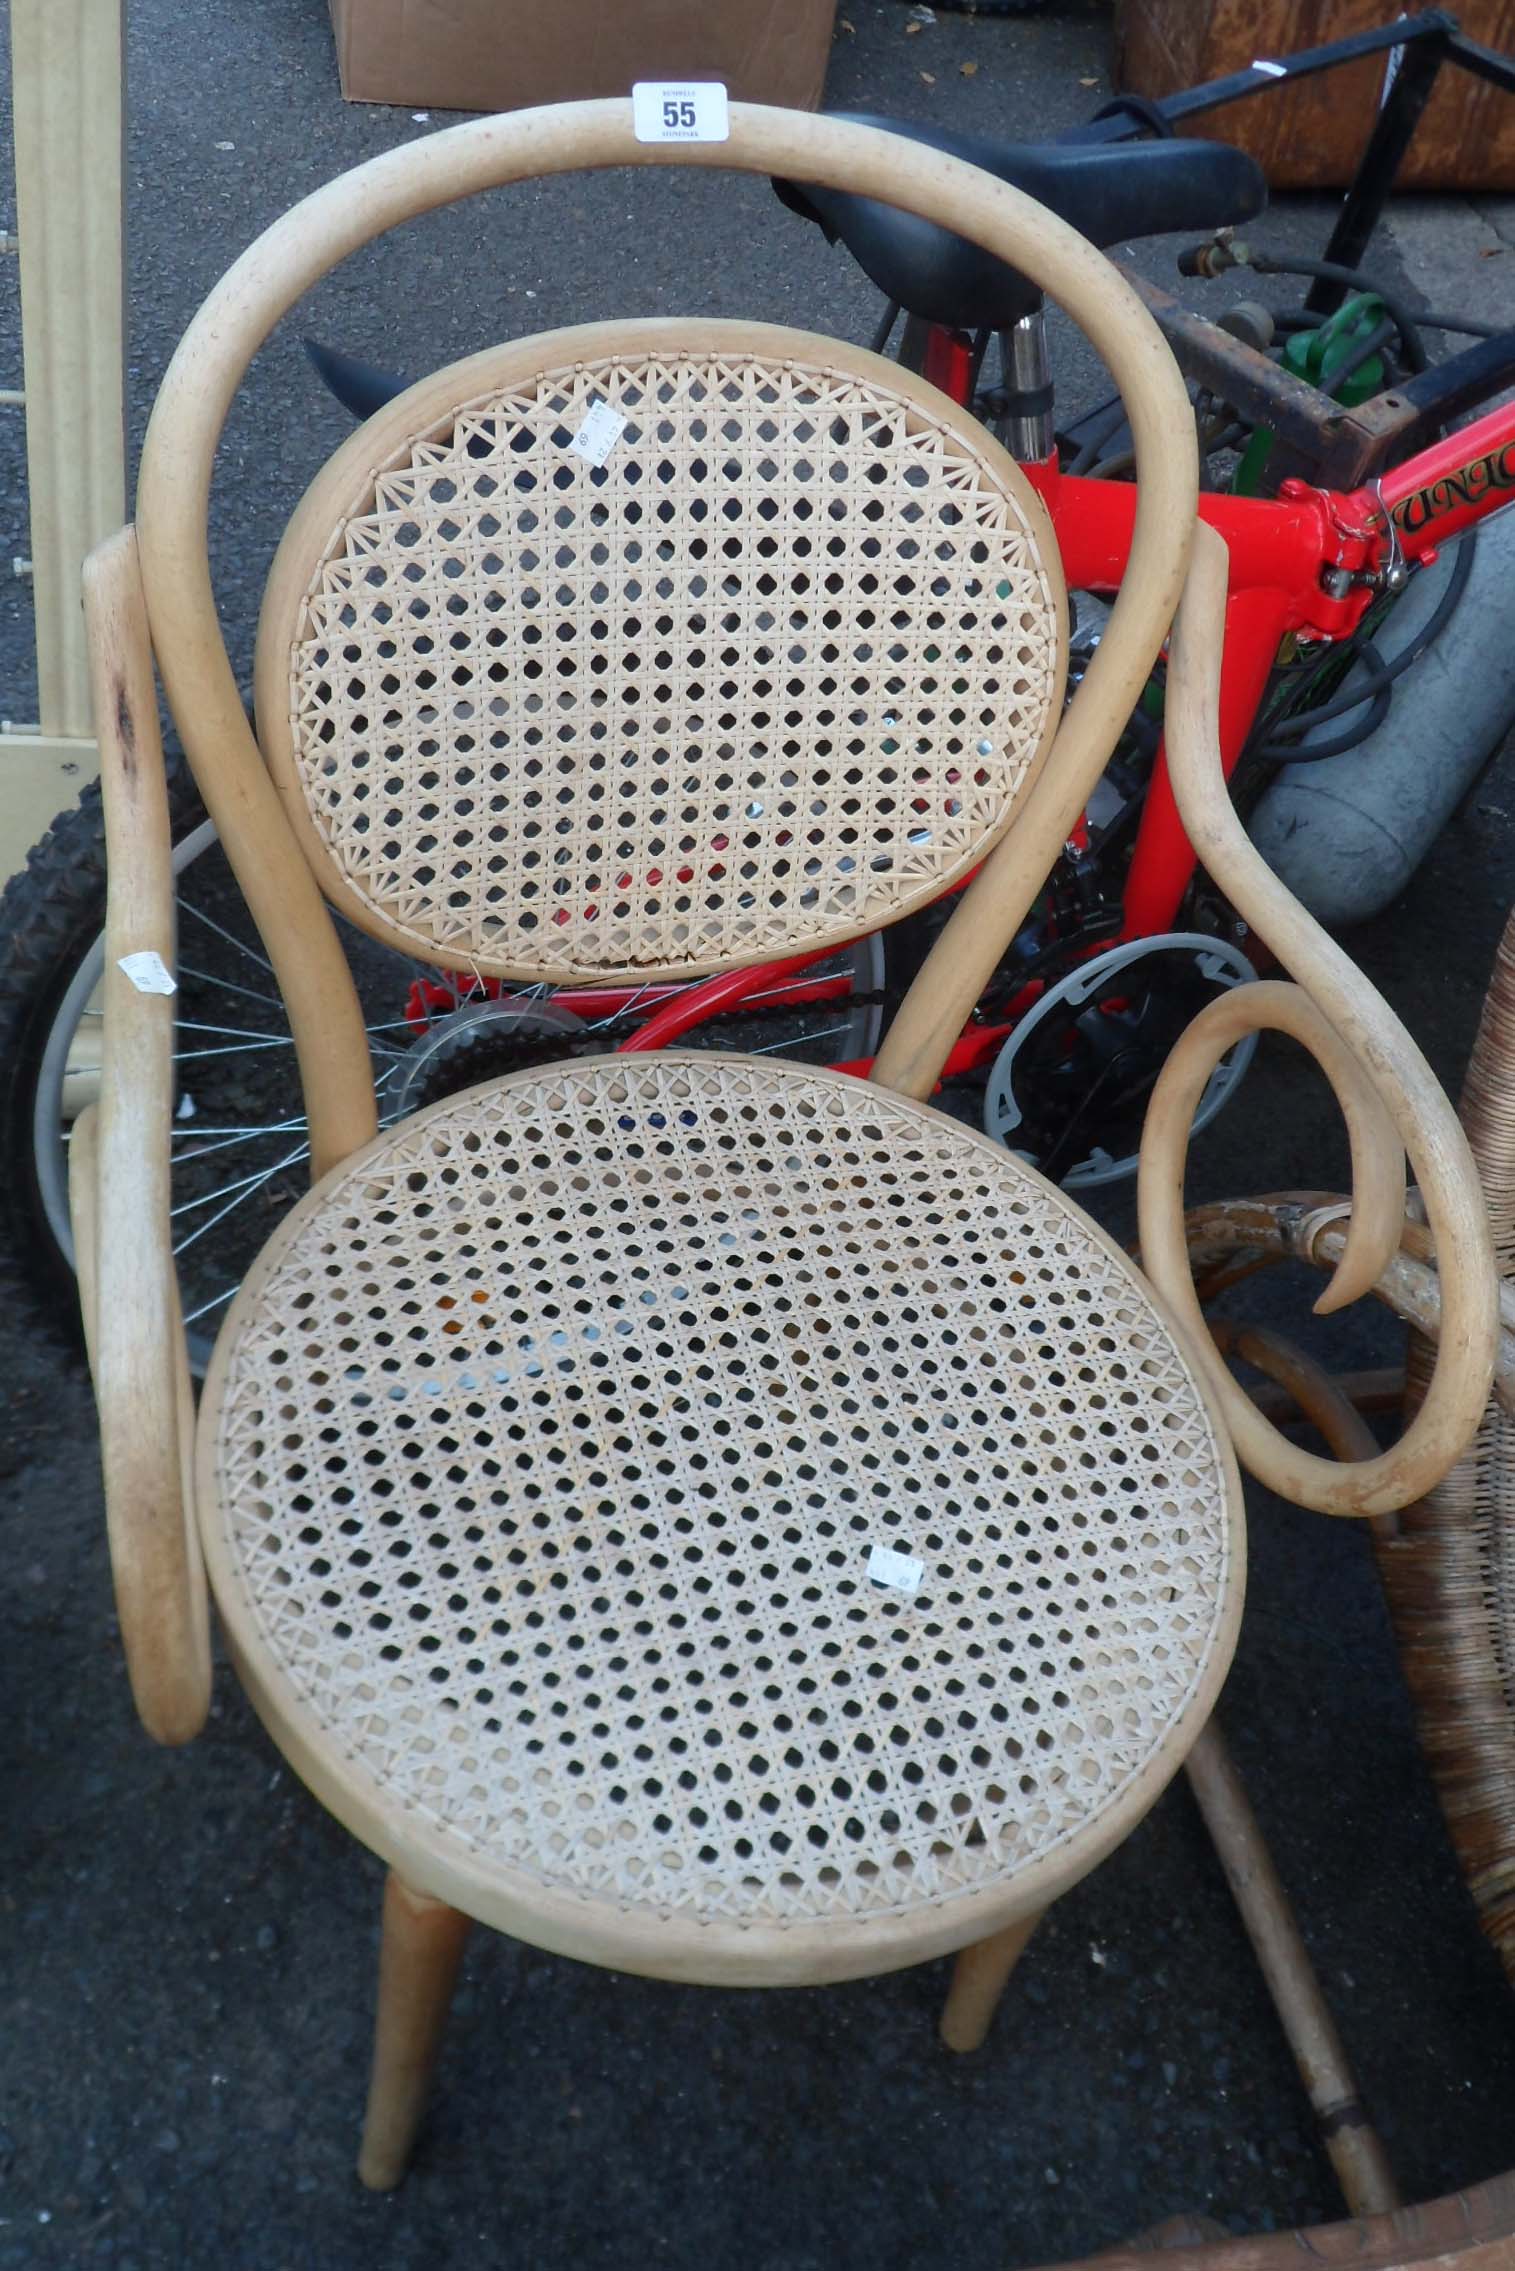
(1449,1572)
(772,674)
(549,1441)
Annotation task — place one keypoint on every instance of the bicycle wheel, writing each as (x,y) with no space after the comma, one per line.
(240,1155)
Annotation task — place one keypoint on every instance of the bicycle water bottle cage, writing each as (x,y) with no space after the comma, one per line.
(1107,191)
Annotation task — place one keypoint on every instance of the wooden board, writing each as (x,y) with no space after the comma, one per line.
(1311,135)
(508,54)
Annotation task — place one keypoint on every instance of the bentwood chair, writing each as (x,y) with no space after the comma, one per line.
(546,1457)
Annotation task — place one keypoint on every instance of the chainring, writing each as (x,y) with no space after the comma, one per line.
(1069,1087)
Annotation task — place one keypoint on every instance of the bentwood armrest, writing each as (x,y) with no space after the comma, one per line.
(1390,1099)
(119,1185)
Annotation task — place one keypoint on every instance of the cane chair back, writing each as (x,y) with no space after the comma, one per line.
(775,672)
(834,448)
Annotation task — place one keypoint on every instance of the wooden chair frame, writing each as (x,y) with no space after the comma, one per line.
(149,594)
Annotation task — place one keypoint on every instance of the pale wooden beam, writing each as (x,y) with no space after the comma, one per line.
(66,58)
(39,778)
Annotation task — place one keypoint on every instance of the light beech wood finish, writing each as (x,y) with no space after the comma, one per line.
(263,846)
(66,72)
(422,1947)
(491,1832)
(173,502)
(1352,2143)
(67,61)
(1463,2231)
(1229,1240)
(141,1369)
(729,1322)
(1392,1102)
(41,775)
(979,1978)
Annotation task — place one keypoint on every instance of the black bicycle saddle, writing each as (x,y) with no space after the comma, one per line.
(1108,191)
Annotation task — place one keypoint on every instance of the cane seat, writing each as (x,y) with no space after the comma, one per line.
(543,1458)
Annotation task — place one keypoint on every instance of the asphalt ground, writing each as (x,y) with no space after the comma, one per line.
(187,1943)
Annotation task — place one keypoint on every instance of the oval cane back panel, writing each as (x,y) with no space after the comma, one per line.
(542,1461)
(772,675)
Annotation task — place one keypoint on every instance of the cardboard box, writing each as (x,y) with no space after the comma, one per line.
(508,54)
(1311,135)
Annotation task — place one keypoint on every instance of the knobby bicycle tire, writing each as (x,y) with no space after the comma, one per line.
(51,913)
(52,917)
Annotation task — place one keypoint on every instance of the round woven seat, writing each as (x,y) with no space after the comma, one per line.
(542,1460)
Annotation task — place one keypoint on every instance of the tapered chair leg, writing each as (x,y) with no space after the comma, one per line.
(978,1981)
(418,1968)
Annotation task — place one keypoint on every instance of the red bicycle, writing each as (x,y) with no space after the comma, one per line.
(1339,498)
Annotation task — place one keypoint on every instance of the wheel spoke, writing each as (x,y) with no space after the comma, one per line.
(242,1049)
(228,1190)
(236,1060)
(234,1032)
(247,1048)
(793,986)
(242,1194)
(625,1009)
(216,1301)
(186,907)
(229,986)
(262,1040)
(225,1137)
(799,1041)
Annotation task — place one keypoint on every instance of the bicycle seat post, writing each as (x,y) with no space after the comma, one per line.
(1026,426)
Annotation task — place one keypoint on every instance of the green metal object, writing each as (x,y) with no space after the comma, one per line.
(1318,357)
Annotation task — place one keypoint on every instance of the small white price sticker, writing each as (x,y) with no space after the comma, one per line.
(900,1570)
(601,430)
(148,972)
(679,114)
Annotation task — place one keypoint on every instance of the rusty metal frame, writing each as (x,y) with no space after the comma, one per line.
(1318,440)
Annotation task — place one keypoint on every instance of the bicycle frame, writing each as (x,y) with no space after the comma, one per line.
(1306,564)
(1309,563)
